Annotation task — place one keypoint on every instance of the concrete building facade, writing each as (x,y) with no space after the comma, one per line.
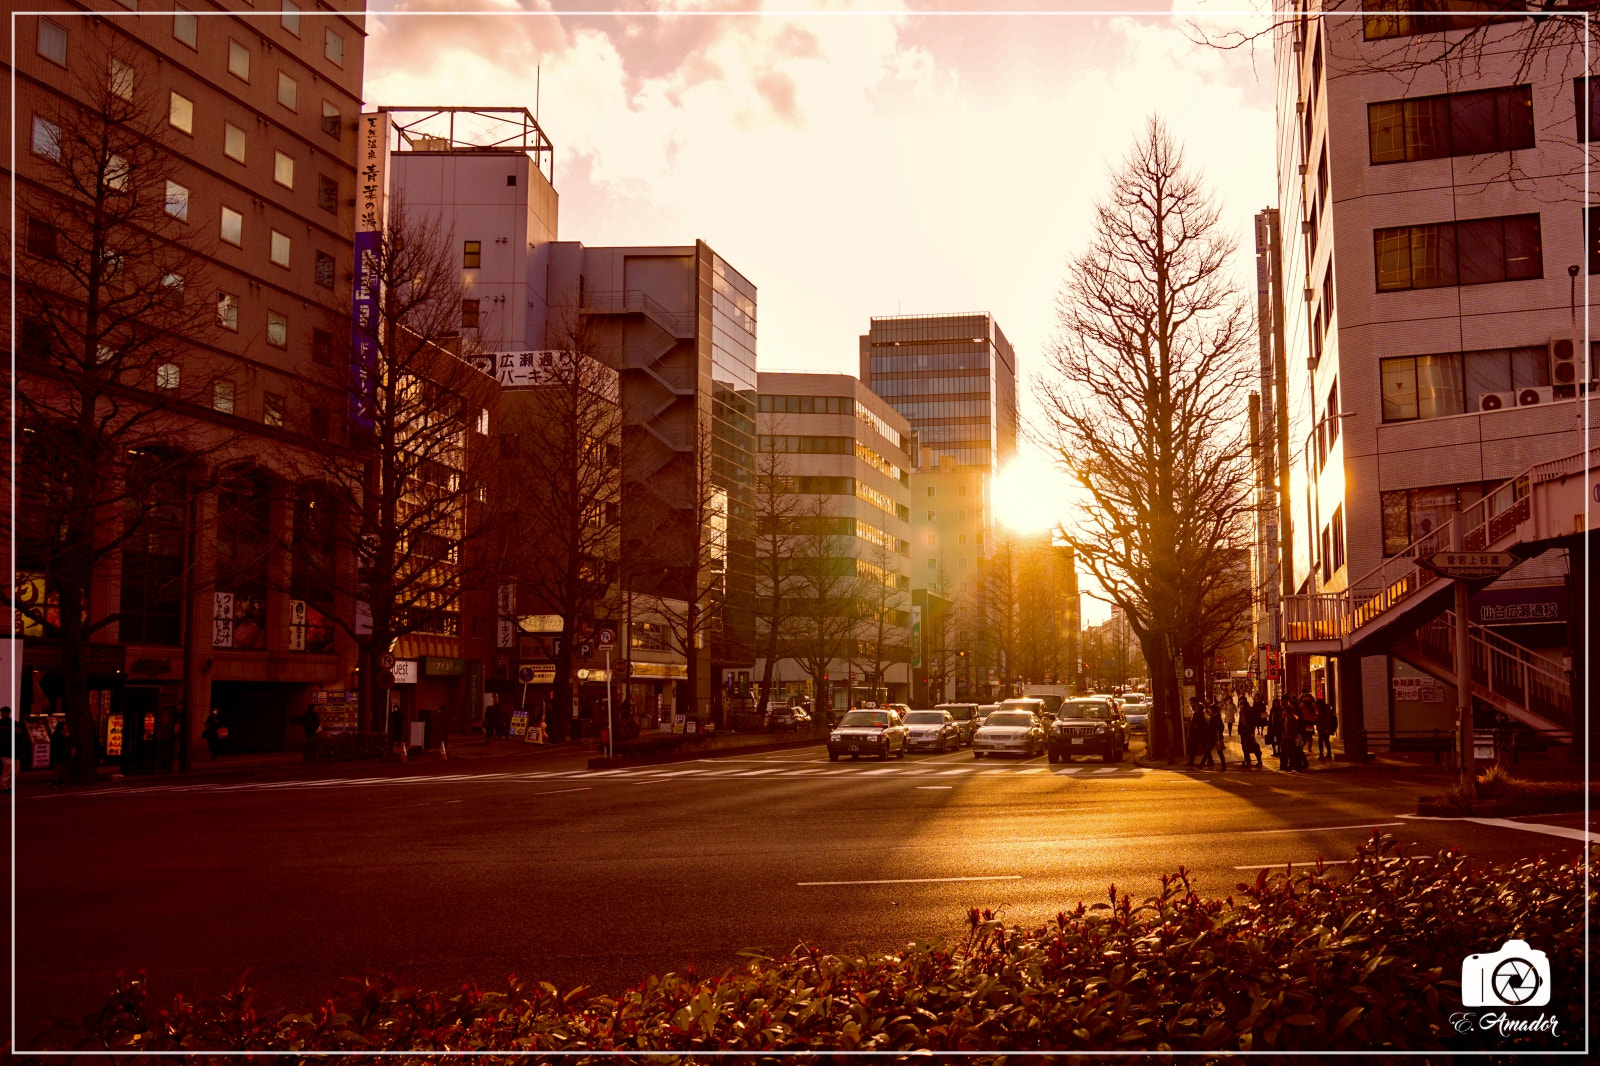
(1430,317)
(843,452)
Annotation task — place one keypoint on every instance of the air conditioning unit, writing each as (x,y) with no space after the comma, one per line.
(1534,395)
(1565,365)
(1497,401)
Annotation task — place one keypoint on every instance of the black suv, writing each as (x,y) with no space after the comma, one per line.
(1088,725)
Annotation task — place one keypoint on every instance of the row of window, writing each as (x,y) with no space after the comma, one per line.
(920,362)
(806,405)
(892,388)
(918,411)
(1434,127)
(1407,18)
(1433,386)
(1468,252)
(1411,514)
(961,538)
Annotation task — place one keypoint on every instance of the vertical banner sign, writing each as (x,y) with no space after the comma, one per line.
(297,625)
(372,175)
(222,620)
(505,635)
(916,636)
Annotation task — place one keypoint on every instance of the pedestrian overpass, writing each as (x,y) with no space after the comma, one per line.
(1396,609)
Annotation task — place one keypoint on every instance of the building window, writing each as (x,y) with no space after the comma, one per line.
(331,119)
(322,347)
(272,410)
(963,538)
(933,564)
(327,193)
(228,311)
(180,113)
(232,228)
(185,26)
(471,254)
(177,201)
(1586,101)
(173,283)
(233,142)
(283,169)
(41,239)
(167,377)
(324,274)
(290,20)
(1411,514)
(962,491)
(52,42)
(1591,219)
(1432,386)
(1337,526)
(1433,127)
(469,314)
(238,60)
(277,329)
(222,397)
(930,515)
(150,599)
(288,91)
(333,48)
(122,79)
(930,490)
(280,249)
(318,423)
(1407,17)
(46,138)
(1469,252)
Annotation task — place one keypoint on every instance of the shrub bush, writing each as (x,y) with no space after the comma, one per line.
(652,743)
(1365,958)
(346,747)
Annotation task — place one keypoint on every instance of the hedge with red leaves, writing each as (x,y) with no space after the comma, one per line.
(1364,957)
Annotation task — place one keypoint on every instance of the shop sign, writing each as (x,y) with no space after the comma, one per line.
(39,734)
(405,671)
(519,722)
(336,697)
(338,717)
(1498,607)
(1417,690)
(537,674)
(113,724)
(442,666)
(670,671)
(540,623)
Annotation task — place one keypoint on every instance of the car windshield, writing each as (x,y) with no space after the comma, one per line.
(1086,709)
(924,718)
(865,720)
(1010,718)
(960,714)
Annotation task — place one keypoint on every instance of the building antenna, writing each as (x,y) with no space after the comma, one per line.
(538,78)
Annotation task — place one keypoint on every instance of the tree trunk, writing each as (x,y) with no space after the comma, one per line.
(75,687)
(558,719)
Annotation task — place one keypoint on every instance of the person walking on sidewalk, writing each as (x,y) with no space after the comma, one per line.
(1275,729)
(1197,726)
(1219,740)
(1327,726)
(214,732)
(1229,713)
(60,752)
(1249,722)
(1204,741)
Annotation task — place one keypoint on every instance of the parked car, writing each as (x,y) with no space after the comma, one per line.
(868,732)
(932,731)
(781,718)
(1088,725)
(966,716)
(1016,732)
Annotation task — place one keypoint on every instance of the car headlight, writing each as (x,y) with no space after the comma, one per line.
(836,737)
(1099,729)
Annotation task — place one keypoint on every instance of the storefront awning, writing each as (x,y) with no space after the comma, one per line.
(426,645)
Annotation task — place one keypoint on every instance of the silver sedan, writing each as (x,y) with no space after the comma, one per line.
(1009,732)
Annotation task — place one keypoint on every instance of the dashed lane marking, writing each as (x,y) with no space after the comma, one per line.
(1324,828)
(909,880)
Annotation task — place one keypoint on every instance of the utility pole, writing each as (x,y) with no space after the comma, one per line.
(1280,373)
(1469,770)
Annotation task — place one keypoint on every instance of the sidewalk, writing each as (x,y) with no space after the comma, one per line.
(291,764)
(1340,763)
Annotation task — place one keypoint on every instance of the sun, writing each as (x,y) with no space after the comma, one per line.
(1029,495)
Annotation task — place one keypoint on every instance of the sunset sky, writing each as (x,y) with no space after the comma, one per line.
(849,164)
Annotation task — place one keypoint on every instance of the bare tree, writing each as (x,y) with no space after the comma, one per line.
(1146,404)
(114,386)
(776,511)
(398,451)
(880,604)
(678,550)
(558,491)
(823,622)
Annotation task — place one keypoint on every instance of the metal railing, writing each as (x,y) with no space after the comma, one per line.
(1500,666)
(620,301)
(1335,615)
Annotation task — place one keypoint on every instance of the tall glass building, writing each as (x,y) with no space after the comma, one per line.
(954,378)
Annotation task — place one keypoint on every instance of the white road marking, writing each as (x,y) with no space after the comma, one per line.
(1324,828)
(910,880)
(557,792)
(936,787)
(1508,823)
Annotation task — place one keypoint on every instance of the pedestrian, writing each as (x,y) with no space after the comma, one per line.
(491,722)
(1204,742)
(1275,729)
(214,732)
(60,752)
(1327,726)
(311,721)
(1218,739)
(1229,711)
(1249,722)
(1197,725)
(13,740)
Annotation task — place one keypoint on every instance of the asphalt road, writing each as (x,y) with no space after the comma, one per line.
(579,877)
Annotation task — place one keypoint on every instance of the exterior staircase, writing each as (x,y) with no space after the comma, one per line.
(1524,516)
(1505,675)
